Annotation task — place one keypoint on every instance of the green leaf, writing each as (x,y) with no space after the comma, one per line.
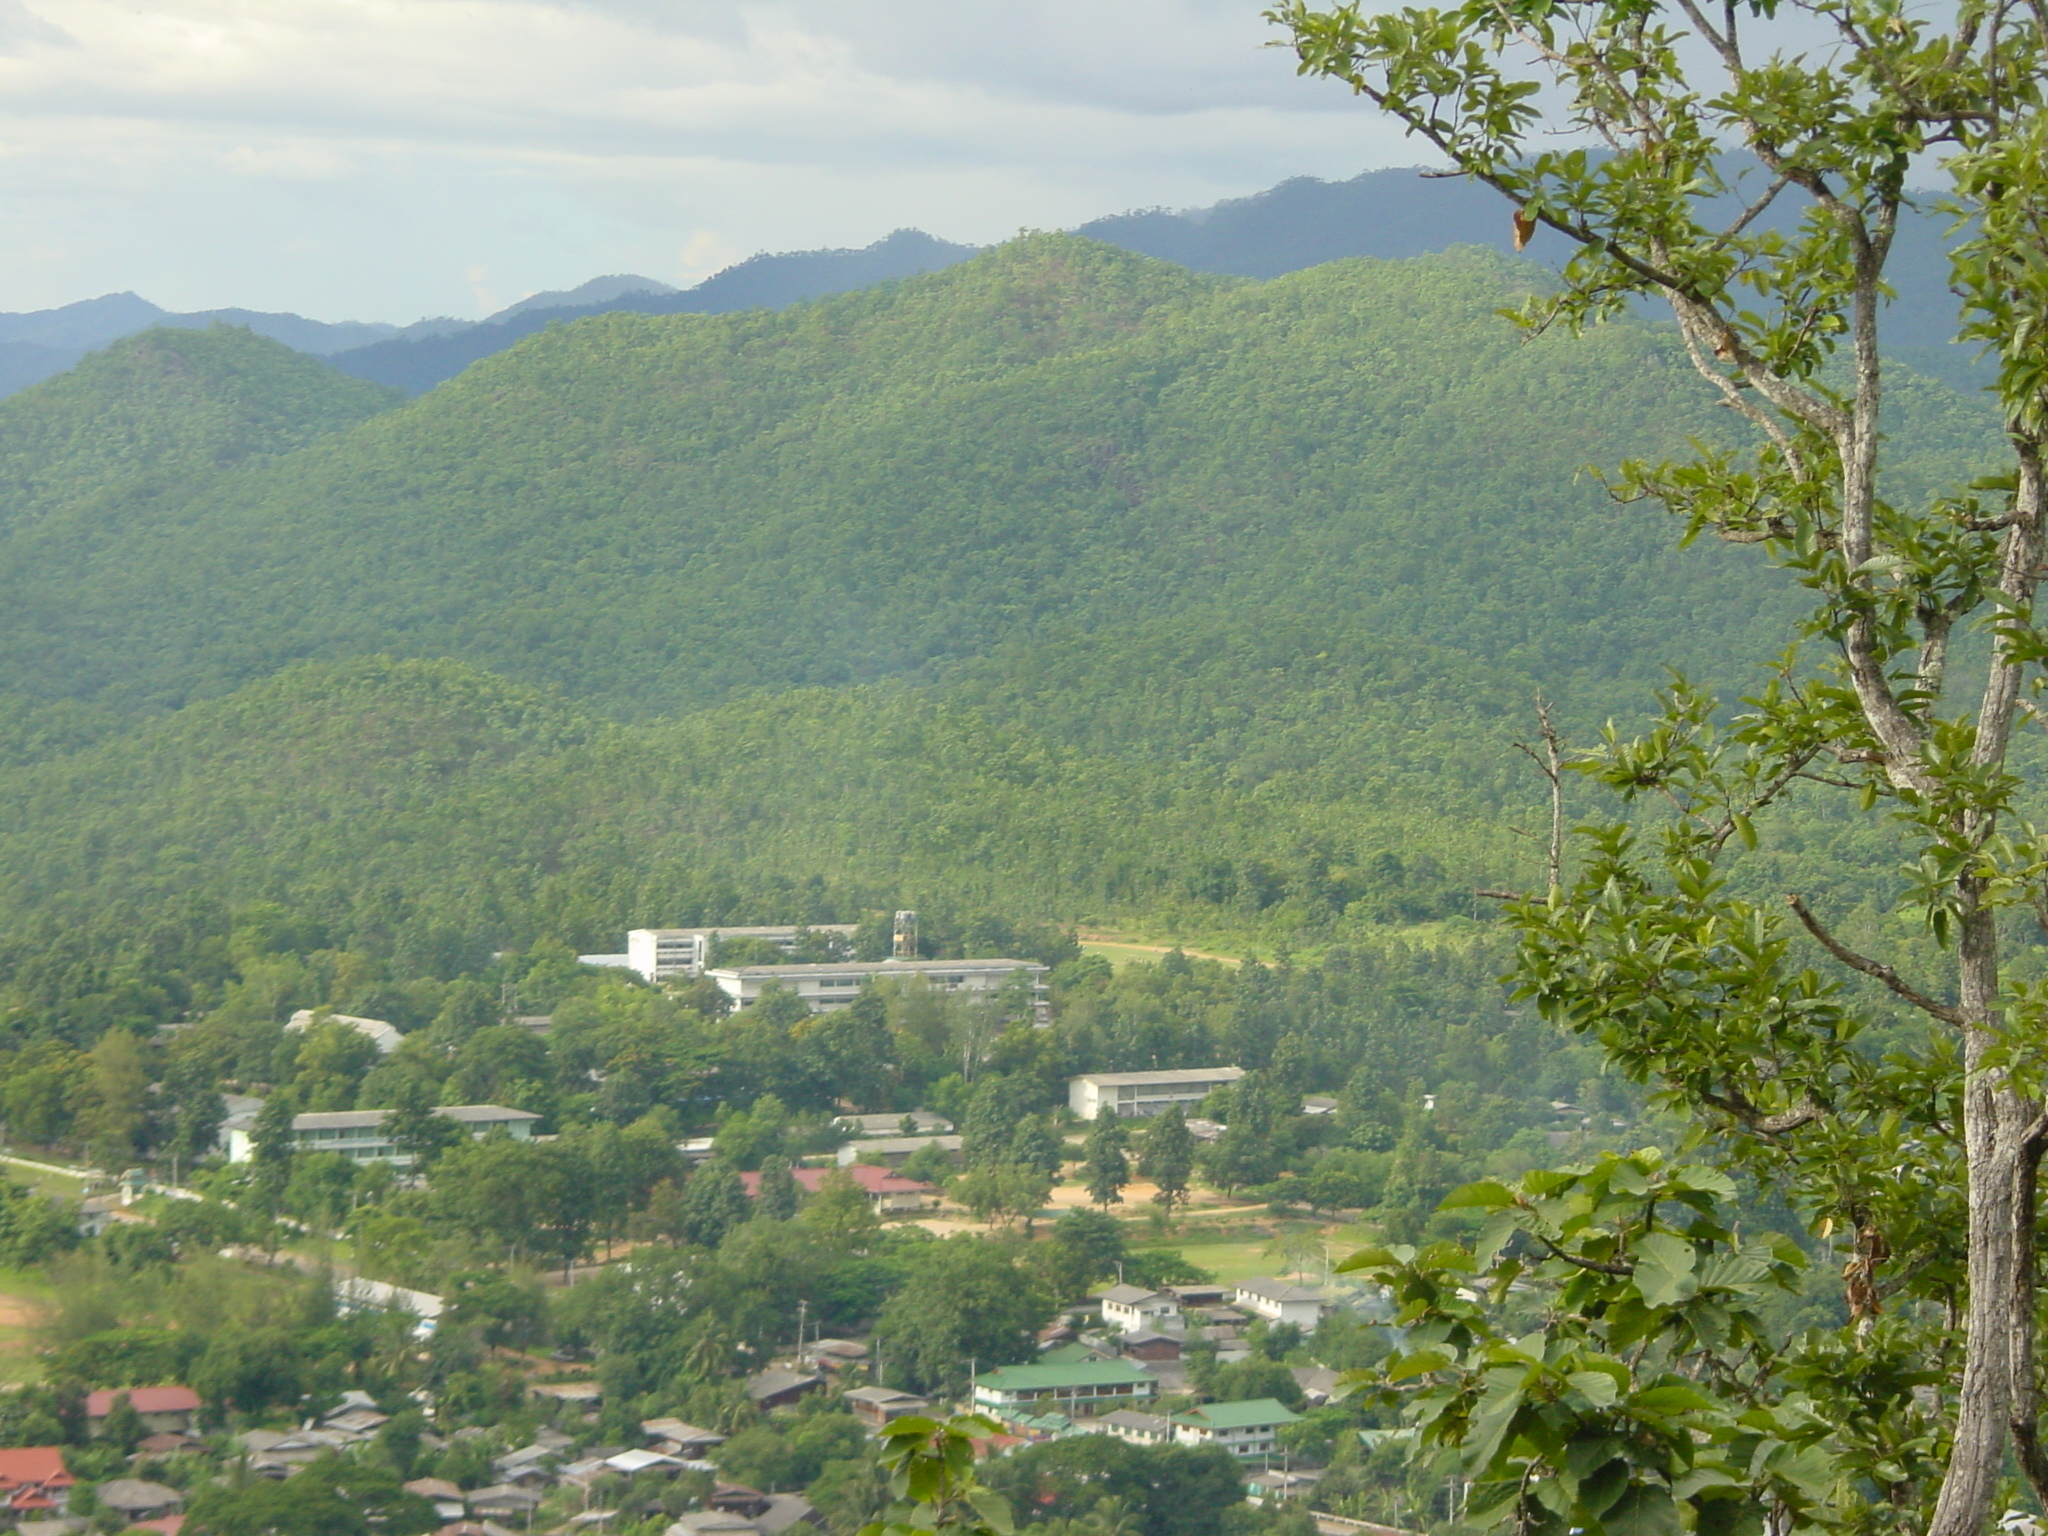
(1643,1510)
(1664,1269)
(1487,1193)
(1598,1387)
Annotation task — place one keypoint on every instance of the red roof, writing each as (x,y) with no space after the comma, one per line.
(33,1466)
(876,1181)
(144,1399)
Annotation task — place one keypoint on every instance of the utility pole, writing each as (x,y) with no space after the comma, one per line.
(803,1309)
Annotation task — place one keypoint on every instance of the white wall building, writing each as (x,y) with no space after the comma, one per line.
(659,953)
(359,1135)
(834,986)
(1278,1302)
(1133,1309)
(1138,1095)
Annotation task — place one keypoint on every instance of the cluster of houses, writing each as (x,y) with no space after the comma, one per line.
(1101,1381)
(36,1489)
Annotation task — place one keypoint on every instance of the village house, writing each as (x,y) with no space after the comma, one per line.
(889,1194)
(136,1501)
(1140,1095)
(879,1407)
(1137,1428)
(1278,1302)
(1248,1430)
(779,1389)
(164,1410)
(1133,1309)
(33,1481)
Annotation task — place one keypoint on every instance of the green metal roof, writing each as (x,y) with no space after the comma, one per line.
(1259,1411)
(1079,1373)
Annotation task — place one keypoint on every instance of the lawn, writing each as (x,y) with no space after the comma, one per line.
(22,1294)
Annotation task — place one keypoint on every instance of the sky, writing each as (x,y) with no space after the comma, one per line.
(389,159)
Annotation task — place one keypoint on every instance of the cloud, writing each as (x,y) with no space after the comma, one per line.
(360,156)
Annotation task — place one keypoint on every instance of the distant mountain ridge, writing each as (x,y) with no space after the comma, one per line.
(1301,223)
(417,364)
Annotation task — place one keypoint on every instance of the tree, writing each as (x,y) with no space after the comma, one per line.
(714,1202)
(840,1211)
(776,1199)
(116,1100)
(1037,1148)
(272,1147)
(1105,1162)
(1757,187)
(1169,1157)
(963,1301)
(123,1427)
(413,1126)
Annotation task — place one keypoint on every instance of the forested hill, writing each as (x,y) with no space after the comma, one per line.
(1063,583)
(656,513)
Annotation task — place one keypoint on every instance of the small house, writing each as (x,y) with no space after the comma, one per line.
(1278,1302)
(779,1389)
(164,1410)
(1133,1309)
(879,1407)
(1248,1430)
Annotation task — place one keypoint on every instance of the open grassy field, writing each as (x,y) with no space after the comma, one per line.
(42,1180)
(22,1296)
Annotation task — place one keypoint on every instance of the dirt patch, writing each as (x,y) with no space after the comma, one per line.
(15,1313)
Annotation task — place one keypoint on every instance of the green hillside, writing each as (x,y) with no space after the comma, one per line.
(1064,585)
(658,513)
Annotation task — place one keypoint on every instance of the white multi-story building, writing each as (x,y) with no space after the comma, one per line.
(659,953)
(1248,1430)
(834,986)
(1138,1095)
(359,1134)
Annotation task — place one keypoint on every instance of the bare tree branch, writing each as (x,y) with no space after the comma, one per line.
(1877,970)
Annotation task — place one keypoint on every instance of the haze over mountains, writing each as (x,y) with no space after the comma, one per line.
(1298,224)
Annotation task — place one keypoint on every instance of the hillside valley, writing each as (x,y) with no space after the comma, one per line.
(1063,583)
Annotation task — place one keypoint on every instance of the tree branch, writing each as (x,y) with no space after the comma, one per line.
(1872,968)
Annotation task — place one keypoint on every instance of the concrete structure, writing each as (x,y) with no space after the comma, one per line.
(659,953)
(1278,1302)
(825,987)
(164,1410)
(384,1036)
(888,1193)
(1063,1386)
(1250,1431)
(1133,1309)
(895,1151)
(1137,1095)
(879,1407)
(359,1135)
(1137,1428)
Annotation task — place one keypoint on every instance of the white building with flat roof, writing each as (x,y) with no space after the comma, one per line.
(834,986)
(1138,1095)
(659,953)
(359,1134)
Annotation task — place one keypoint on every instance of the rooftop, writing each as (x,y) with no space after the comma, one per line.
(1254,1414)
(358,1119)
(1144,1423)
(1127,1295)
(1080,1373)
(870,968)
(142,1399)
(876,1181)
(1276,1290)
(1182,1075)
